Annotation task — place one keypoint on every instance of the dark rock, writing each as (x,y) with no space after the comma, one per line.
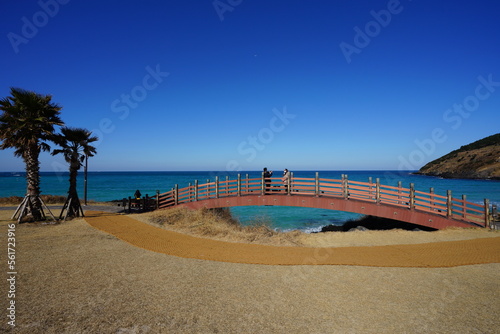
(375,223)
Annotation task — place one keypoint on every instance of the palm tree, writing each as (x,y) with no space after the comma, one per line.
(26,124)
(75,147)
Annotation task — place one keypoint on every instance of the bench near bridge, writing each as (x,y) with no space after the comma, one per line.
(368,198)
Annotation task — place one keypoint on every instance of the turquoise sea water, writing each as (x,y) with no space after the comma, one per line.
(107,186)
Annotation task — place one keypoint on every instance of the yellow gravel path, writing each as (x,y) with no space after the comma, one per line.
(431,255)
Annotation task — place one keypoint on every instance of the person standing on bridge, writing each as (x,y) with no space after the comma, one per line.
(285,179)
(267,178)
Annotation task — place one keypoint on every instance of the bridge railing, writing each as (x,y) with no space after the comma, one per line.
(447,206)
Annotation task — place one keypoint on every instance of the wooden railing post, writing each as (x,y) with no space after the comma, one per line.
(370,181)
(157,199)
(316,182)
(263,186)
(431,199)
(239,185)
(449,204)
(289,184)
(377,190)
(190,192)
(464,208)
(247,184)
(400,186)
(412,196)
(342,184)
(494,213)
(217,187)
(227,185)
(486,213)
(195,190)
(345,186)
(176,194)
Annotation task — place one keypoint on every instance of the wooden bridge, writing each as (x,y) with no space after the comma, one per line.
(368,198)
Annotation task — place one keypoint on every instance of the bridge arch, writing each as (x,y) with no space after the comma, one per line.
(368,198)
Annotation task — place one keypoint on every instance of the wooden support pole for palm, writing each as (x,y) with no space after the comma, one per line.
(26,207)
(73,207)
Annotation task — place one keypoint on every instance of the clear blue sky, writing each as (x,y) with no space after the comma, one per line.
(241,84)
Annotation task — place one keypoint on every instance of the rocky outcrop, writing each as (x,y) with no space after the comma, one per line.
(374,223)
(478,160)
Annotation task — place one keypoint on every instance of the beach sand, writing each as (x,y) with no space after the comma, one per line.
(73,278)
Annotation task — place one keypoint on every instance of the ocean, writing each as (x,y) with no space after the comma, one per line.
(108,186)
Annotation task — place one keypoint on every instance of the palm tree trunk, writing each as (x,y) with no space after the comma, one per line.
(33,178)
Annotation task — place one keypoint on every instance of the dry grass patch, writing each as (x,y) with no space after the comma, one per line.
(48,199)
(16,200)
(220,225)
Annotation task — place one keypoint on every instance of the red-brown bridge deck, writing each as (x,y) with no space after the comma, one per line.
(368,198)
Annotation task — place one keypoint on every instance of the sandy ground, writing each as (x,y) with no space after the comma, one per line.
(73,278)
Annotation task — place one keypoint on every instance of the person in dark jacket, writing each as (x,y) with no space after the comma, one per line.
(267,178)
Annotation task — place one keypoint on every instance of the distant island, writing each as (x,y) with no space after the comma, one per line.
(478,160)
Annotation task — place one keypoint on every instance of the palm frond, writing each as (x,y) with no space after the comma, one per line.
(75,144)
(27,119)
